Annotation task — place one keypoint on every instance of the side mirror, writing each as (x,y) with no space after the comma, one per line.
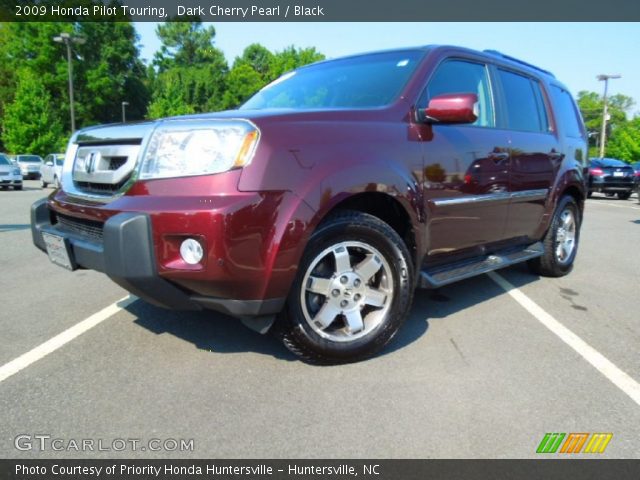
(452,108)
(49,164)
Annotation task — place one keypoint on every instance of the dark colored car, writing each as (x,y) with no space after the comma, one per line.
(611,177)
(325,200)
(636,178)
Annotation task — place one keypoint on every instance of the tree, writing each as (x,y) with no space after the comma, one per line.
(625,143)
(242,82)
(107,68)
(30,124)
(291,58)
(188,67)
(591,105)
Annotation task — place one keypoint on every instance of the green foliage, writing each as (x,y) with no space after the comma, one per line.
(625,143)
(622,134)
(291,58)
(107,69)
(30,124)
(242,82)
(191,71)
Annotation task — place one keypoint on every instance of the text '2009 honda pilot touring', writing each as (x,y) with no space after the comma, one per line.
(317,208)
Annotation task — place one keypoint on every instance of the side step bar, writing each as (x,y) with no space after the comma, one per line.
(439,277)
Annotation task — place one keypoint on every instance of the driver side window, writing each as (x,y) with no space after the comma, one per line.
(460,76)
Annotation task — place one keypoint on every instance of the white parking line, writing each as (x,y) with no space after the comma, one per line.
(51,345)
(616,376)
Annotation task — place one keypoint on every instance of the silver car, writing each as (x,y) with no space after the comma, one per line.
(51,171)
(29,165)
(10,175)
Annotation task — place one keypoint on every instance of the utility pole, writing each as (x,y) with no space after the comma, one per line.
(68,39)
(605,114)
(124,111)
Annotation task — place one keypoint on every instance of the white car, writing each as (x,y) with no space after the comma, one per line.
(29,165)
(10,175)
(51,171)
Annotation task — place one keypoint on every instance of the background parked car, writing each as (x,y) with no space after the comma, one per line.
(9,174)
(611,176)
(51,171)
(29,166)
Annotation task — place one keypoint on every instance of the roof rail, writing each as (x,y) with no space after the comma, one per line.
(496,53)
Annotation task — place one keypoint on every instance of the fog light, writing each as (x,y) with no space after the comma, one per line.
(191,251)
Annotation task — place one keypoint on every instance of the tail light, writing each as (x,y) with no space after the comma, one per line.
(636,173)
(596,172)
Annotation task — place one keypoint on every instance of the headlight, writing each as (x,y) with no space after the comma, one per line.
(183,148)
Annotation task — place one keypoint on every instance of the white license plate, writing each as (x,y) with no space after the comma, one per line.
(618,174)
(58,250)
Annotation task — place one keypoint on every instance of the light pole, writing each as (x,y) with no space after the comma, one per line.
(603,132)
(124,111)
(68,39)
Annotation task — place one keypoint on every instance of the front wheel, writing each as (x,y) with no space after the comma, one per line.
(43,184)
(560,241)
(352,292)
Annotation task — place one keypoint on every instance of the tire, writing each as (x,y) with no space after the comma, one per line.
(589,194)
(358,271)
(19,187)
(624,195)
(43,184)
(56,183)
(557,260)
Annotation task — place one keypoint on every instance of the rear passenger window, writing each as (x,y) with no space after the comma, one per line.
(566,113)
(524,105)
(457,76)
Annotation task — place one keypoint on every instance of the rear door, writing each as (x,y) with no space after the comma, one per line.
(535,151)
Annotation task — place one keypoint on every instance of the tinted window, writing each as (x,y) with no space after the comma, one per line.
(566,113)
(359,82)
(457,76)
(59,159)
(4,160)
(524,106)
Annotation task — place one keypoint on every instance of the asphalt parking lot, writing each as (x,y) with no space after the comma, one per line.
(475,372)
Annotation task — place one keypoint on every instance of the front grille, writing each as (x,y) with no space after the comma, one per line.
(89,229)
(104,170)
(101,188)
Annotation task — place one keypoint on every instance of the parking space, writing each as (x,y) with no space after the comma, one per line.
(472,374)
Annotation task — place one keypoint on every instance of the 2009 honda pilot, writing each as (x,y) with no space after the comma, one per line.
(319,206)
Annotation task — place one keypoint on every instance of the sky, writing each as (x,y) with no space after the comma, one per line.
(575,52)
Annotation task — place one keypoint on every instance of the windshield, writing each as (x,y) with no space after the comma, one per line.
(4,160)
(365,81)
(29,158)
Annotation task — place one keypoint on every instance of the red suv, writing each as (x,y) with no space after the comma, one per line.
(319,206)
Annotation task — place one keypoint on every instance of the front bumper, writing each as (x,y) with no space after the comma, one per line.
(126,254)
(10,180)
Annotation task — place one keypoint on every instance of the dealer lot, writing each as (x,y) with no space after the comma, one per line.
(471,374)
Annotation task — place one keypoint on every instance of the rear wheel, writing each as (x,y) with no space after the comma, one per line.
(560,242)
(43,184)
(352,293)
(624,195)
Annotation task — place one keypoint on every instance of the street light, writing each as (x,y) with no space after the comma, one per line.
(68,39)
(124,111)
(603,133)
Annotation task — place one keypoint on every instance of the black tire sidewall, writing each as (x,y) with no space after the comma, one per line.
(369,230)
